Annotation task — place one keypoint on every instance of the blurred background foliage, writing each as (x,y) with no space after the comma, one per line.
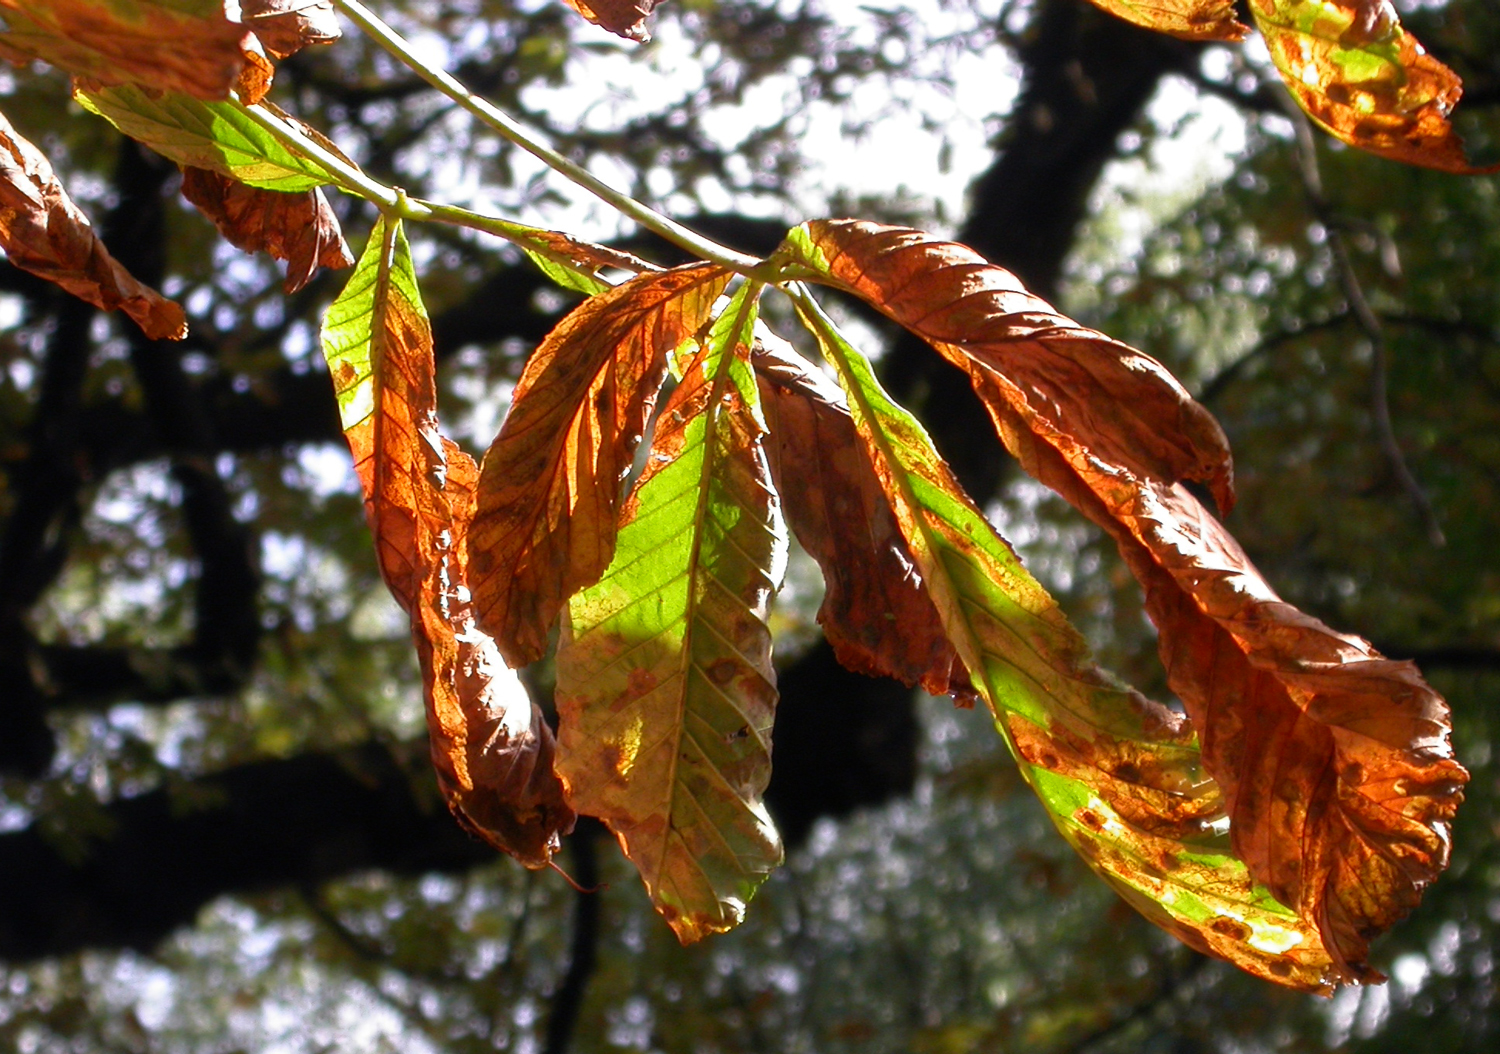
(948,919)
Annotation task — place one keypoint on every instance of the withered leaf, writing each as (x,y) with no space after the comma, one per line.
(549,492)
(492,749)
(665,690)
(624,18)
(168,45)
(1364,79)
(1120,775)
(875,612)
(43,232)
(285,27)
(299,228)
(1188,19)
(1335,764)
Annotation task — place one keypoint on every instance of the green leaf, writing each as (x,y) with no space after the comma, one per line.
(567,274)
(1120,775)
(218,136)
(665,687)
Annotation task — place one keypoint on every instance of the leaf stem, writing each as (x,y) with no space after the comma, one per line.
(512,130)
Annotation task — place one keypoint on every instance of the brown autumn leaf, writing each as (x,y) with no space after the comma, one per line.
(1364,79)
(1188,19)
(624,18)
(875,613)
(299,228)
(188,46)
(549,491)
(492,750)
(43,232)
(1334,761)
(285,27)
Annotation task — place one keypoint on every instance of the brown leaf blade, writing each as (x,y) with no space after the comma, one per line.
(665,690)
(492,749)
(623,18)
(1188,19)
(1335,763)
(549,491)
(43,232)
(299,228)
(1357,73)
(182,45)
(285,27)
(875,612)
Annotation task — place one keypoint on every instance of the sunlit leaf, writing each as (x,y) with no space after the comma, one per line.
(43,232)
(549,494)
(285,27)
(299,228)
(186,46)
(1188,19)
(1364,79)
(624,18)
(665,689)
(492,749)
(875,612)
(1120,775)
(1337,773)
(216,136)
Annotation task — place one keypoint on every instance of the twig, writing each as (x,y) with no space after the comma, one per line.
(1364,315)
(584,950)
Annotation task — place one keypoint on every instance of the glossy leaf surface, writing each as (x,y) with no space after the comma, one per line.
(665,689)
(184,46)
(299,228)
(1334,762)
(43,232)
(1120,775)
(492,749)
(550,490)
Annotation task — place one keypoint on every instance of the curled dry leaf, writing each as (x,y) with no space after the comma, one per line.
(43,232)
(1334,762)
(1364,79)
(285,27)
(875,612)
(492,749)
(1121,776)
(299,228)
(168,45)
(624,18)
(1188,19)
(665,690)
(549,493)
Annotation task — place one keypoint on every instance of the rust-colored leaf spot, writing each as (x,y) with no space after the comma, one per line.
(299,228)
(1188,19)
(43,232)
(549,493)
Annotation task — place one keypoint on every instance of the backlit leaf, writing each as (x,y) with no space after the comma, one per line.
(217,136)
(492,749)
(1335,764)
(1364,79)
(299,228)
(1120,775)
(549,494)
(665,689)
(875,612)
(1188,19)
(184,46)
(43,232)
(624,18)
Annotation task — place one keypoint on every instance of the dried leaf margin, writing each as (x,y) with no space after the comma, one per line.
(550,488)
(1187,19)
(666,694)
(1119,775)
(1335,762)
(43,232)
(623,18)
(492,750)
